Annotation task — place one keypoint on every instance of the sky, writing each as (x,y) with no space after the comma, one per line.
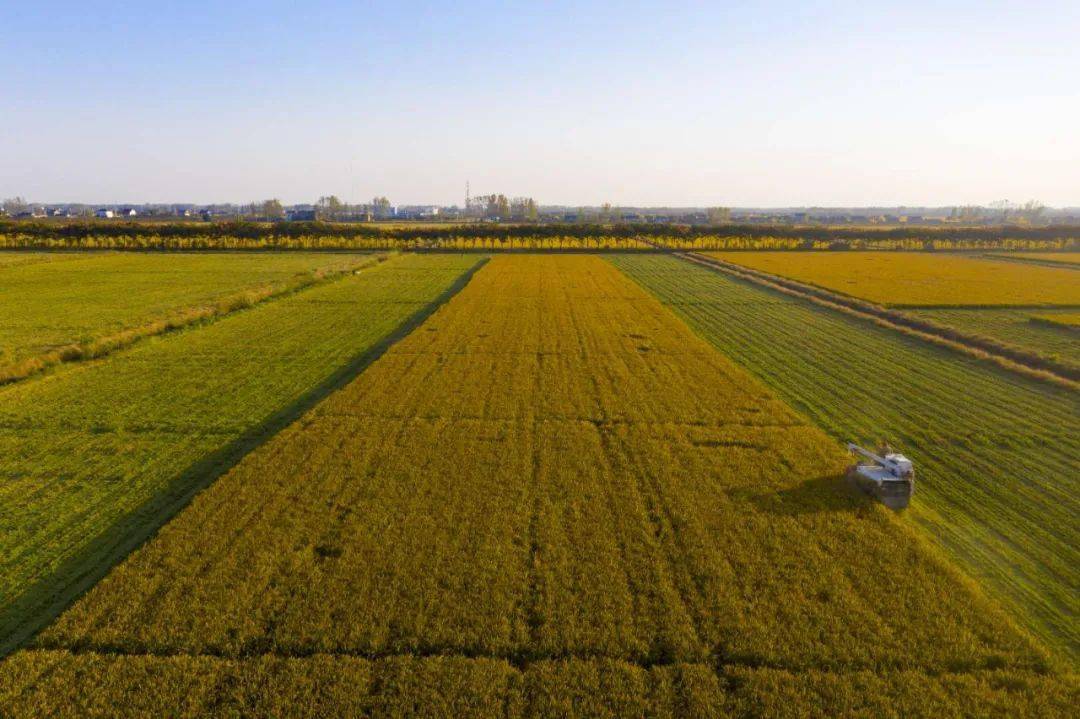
(743,104)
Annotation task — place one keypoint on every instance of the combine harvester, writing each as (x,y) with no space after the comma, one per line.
(890,478)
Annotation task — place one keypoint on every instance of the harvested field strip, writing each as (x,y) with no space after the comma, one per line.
(551,468)
(1023,361)
(98,454)
(92,303)
(1001,499)
(59,684)
(920,279)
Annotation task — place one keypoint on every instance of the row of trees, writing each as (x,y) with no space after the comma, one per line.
(328,207)
(332,208)
(500,207)
(1030,212)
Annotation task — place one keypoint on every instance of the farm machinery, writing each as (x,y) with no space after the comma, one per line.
(889,476)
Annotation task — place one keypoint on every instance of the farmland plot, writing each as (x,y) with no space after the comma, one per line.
(94,453)
(13,259)
(1044,331)
(551,497)
(1055,258)
(921,279)
(996,454)
(53,301)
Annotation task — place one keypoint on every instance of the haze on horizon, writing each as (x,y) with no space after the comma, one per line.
(659,104)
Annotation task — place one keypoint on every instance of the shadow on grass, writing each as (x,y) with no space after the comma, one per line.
(42,602)
(828,493)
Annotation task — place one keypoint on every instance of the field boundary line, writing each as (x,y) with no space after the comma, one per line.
(41,603)
(183,318)
(1043,261)
(1005,357)
(525,659)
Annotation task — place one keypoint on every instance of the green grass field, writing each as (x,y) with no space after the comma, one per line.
(996,454)
(550,499)
(95,452)
(62,299)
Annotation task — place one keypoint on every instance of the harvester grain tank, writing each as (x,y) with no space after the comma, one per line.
(889,475)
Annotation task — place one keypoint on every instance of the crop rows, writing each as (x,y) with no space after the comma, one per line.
(909,279)
(995,454)
(550,494)
(94,453)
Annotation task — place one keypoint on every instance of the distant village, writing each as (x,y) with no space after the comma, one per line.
(499,208)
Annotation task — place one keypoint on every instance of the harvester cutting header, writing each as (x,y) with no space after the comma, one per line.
(888,475)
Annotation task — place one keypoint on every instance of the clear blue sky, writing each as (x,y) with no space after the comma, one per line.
(647,103)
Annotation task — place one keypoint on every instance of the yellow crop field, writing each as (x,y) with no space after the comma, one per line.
(1057,258)
(920,279)
(550,499)
(1069,320)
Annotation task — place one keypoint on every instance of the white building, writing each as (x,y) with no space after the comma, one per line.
(103,213)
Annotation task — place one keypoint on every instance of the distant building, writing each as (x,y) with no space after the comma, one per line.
(417,212)
(104,214)
(127,212)
(302,216)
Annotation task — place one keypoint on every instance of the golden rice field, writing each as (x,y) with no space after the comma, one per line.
(921,279)
(995,453)
(549,499)
(1058,258)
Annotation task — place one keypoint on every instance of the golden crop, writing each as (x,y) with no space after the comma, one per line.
(550,498)
(909,279)
(1057,258)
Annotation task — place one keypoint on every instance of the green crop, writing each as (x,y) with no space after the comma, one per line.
(65,305)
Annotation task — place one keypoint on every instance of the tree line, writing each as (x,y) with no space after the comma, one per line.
(813,236)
